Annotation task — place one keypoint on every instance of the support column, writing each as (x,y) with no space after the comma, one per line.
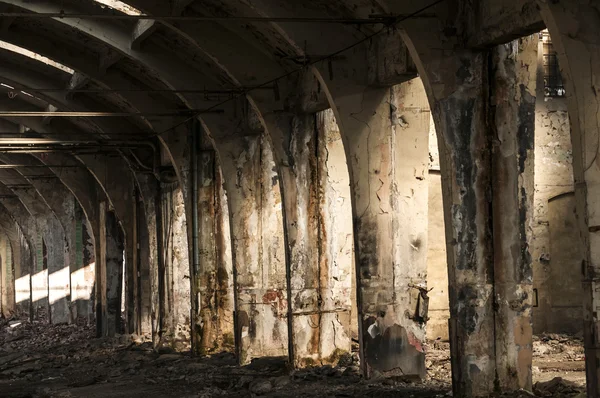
(176,300)
(32,285)
(214,308)
(512,118)
(319,286)
(575,27)
(83,266)
(257,234)
(13,257)
(146,254)
(149,188)
(24,265)
(8,277)
(457,95)
(389,193)
(59,280)
(109,281)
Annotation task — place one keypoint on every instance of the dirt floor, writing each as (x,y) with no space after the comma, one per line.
(38,360)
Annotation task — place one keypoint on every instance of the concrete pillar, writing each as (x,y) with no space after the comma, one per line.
(513,97)
(337,251)
(145,261)
(455,84)
(319,286)
(52,276)
(83,266)
(32,283)
(176,300)
(8,277)
(13,257)
(116,178)
(59,281)
(575,27)
(385,134)
(258,252)
(149,188)
(225,274)
(109,272)
(23,272)
(213,304)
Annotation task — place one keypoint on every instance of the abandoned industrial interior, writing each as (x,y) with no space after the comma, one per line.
(299,198)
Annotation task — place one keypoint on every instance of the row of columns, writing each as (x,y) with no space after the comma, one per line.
(38,276)
(287,300)
(482,107)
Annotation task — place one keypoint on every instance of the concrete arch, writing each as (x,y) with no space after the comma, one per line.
(574,30)
(54,238)
(58,198)
(19,300)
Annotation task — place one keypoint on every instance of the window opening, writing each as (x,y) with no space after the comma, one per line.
(553,83)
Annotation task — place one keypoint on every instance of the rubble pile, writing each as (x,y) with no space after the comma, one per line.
(558,387)
(42,360)
(569,348)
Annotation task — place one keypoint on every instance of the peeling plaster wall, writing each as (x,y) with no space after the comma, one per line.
(177,299)
(553,177)
(213,322)
(410,139)
(336,209)
(7,277)
(336,256)
(23,268)
(225,300)
(437,269)
(258,246)
(563,285)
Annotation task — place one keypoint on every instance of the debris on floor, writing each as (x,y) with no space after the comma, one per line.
(41,360)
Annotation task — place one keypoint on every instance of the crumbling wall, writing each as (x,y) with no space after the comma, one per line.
(338,246)
(177,299)
(7,281)
(553,177)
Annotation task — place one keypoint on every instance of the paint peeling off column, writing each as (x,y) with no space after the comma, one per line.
(8,277)
(257,239)
(513,85)
(385,132)
(176,299)
(320,270)
(213,320)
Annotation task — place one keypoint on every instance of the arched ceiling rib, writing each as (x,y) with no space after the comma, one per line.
(213,54)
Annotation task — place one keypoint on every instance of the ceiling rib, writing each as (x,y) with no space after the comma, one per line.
(183,112)
(374,19)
